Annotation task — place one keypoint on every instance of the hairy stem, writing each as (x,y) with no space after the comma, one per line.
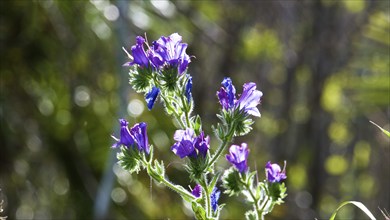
(207,195)
(161,179)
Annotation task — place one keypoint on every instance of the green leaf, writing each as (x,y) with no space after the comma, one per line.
(357,204)
(169,79)
(140,79)
(199,211)
(197,167)
(260,191)
(250,215)
(128,159)
(231,182)
(214,181)
(383,130)
(197,125)
(277,191)
(160,169)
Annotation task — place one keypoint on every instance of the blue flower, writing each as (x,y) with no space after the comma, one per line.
(151,97)
(202,144)
(274,173)
(184,146)
(248,101)
(139,54)
(138,132)
(197,191)
(214,198)
(188,145)
(238,157)
(227,94)
(169,51)
(188,89)
(136,135)
(125,137)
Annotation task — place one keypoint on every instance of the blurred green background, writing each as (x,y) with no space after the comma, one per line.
(323,67)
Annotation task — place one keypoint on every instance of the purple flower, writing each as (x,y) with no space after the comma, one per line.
(248,101)
(214,198)
(184,146)
(227,94)
(189,145)
(138,131)
(197,191)
(202,144)
(188,89)
(171,52)
(274,173)
(151,97)
(125,137)
(139,54)
(136,135)
(238,157)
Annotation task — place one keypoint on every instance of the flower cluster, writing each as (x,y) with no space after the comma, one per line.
(160,70)
(161,65)
(166,52)
(235,112)
(247,102)
(189,145)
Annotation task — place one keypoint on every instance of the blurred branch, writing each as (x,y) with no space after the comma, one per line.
(121,28)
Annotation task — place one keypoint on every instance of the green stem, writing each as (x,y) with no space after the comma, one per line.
(177,116)
(184,193)
(225,142)
(218,153)
(259,214)
(186,110)
(161,179)
(263,204)
(204,185)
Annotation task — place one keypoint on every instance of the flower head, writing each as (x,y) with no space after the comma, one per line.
(189,145)
(227,94)
(151,97)
(274,173)
(125,137)
(197,191)
(202,144)
(184,145)
(238,157)
(138,131)
(139,54)
(136,135)
(214,198)
(188,89)
(248,100)
(169,51)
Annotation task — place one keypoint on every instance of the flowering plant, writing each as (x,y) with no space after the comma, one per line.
(160,71)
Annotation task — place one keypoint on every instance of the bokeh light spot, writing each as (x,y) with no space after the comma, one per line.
(63,117)
(336,165)
(81,96)
(61,186)
(111,12)
(303,199)
(135,107)
(34,143)
(46,106)
(24,212)
(118,195)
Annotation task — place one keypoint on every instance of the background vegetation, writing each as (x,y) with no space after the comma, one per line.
(323,67)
